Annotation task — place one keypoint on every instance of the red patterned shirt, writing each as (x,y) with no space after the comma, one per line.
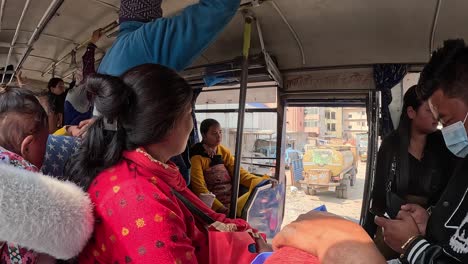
(139,220)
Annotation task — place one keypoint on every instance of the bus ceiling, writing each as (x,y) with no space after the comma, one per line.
(298,36)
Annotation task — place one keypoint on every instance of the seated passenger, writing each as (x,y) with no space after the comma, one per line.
(32,205)
(213,167)
(56,103)
(412,165)
(124,164)
(439,235)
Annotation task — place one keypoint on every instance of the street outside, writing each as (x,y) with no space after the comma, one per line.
(297,202)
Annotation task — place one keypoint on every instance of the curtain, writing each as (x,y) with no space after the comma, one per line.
(386,76)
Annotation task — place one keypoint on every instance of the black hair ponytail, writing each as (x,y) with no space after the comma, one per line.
(102,147)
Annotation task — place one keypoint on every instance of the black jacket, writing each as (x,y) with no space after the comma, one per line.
(395,176)
(446,238)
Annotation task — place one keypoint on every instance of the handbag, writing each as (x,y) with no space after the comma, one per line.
(393,200)
(225,244)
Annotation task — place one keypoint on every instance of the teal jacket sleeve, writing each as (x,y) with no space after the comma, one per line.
(176,41)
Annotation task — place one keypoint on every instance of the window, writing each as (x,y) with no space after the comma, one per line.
(350,127)
(333,115)
(327,114)
(350,116)
(331,127)
(311,123)
(311,111)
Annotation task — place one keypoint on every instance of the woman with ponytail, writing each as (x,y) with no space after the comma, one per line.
(124,165)
(412,165)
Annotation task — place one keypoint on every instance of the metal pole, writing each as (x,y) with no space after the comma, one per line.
(50,12)
(248,19)
(372,149)
(2,11)
(293,32)
(434,27)
(116,8)
(15,37)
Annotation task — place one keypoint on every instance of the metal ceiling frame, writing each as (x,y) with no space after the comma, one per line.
(15,37)
(46,18)
(434,27)
(116,8)
(2,10)
(293,31)
(83,44)
(43,35)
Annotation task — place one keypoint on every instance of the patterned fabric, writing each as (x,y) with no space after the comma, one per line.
(139,219)
(386,76)
(218,181)
(59,150)
(140,10)
(8,157)
(11,253)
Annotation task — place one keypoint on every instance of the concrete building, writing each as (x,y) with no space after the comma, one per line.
(354,122)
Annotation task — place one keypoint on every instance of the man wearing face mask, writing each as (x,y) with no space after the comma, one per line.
(440,234)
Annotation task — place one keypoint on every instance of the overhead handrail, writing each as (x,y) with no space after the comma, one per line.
(256,3)
(434,27)
(104,30)
(293,32)
(49,13)
(107,4)
(2,11)
(15,37)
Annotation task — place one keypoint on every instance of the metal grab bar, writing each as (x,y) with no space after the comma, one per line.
(50,12)
(104,30)
(248,20)
(15,37)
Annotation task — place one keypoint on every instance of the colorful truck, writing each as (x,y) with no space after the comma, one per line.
(329,168)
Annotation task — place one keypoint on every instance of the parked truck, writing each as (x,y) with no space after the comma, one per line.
(329,168)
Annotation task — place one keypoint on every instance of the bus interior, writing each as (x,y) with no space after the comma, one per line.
(293,83)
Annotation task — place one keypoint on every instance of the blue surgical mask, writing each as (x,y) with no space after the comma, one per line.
(456,138)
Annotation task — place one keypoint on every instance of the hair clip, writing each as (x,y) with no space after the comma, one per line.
(110,124)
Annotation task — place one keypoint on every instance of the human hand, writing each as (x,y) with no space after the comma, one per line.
(323,234)
(73,131)
(20,80)
(274,182)
(223,210)
(419,214)
(83,126)
(97,34)
(398,231)
(262,245)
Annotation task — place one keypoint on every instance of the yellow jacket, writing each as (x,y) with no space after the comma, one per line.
(61,132)
(197,180)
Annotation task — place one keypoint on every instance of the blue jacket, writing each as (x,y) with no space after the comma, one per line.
(174,42)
